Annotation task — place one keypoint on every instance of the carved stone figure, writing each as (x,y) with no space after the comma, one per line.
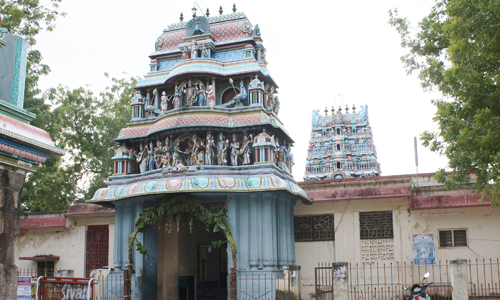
(158,154)
(201,95)
(194,153)
(189,93)
(245,149)
(209,150)
(142,158)
(242,96)
(211,97)
(289,158)
(151,156)
(164,102)
(177,98)
(204,52)
(194,49)
(166,154)
(221,151)
(276,107)
(235,151)
(177,154)
(270,99)
(185,54)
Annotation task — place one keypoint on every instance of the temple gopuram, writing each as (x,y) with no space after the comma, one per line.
(341,146)
(205,122)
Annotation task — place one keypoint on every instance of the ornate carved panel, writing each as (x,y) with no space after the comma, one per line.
(377,249)
(376,225)
(314,228)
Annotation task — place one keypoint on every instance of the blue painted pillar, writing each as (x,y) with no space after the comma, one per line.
(281,232)
(254,231)
(268,232)
(262,225)
(117,258)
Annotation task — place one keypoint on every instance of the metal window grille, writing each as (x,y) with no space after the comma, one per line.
(376,225)
(97,248)
(314,228)
(46,268)
(453,238)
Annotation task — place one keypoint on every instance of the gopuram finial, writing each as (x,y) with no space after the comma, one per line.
(326,111)
(346,109)
(207,13)
(194,11)
(234,7)
(220,10)
(333,110)
(181,17)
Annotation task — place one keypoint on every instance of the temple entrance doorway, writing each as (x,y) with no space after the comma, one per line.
(202,268)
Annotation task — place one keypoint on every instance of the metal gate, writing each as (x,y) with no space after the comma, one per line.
(323,281)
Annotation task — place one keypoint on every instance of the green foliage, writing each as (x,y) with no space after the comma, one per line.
(84,126)
(27,18)
(183,208)
(456,51)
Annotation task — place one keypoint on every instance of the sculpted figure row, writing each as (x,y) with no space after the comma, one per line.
(194,151)
(190,150)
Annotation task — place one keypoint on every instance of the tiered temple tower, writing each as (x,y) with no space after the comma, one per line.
(341,146)
(205,122)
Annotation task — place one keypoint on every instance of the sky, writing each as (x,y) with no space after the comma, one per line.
(315,49)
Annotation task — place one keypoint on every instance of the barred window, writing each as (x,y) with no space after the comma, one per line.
(314,228)
(46,268)
(376,225)
(453,238)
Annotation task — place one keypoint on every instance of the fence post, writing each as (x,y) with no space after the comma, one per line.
(459,277)
(292,276)
(340,291)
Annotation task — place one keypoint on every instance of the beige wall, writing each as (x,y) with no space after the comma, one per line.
(67,243)
(481,224)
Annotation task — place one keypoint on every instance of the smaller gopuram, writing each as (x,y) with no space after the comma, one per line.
(205,122)
(341,146)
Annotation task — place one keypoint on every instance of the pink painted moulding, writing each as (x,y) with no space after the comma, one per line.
(25,130)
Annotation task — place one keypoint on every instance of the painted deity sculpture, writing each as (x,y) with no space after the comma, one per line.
(245,149)
(211,97)
(201,95)
(164,102)
(158,155)
(177,154)
(177,98)
(235,147)
(221,151)
(195,158)
(167,155)
(204,52)
(209,149)
(151,156)
(142,158)
(188,93)
(194,49)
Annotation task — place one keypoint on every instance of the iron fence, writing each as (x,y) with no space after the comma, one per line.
(484,279)
(268,286)
(386,280)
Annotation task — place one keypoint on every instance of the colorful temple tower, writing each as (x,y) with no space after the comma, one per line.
(205,122)
(341,146)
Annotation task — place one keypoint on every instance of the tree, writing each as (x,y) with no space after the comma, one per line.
(457,51)
(84,126)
